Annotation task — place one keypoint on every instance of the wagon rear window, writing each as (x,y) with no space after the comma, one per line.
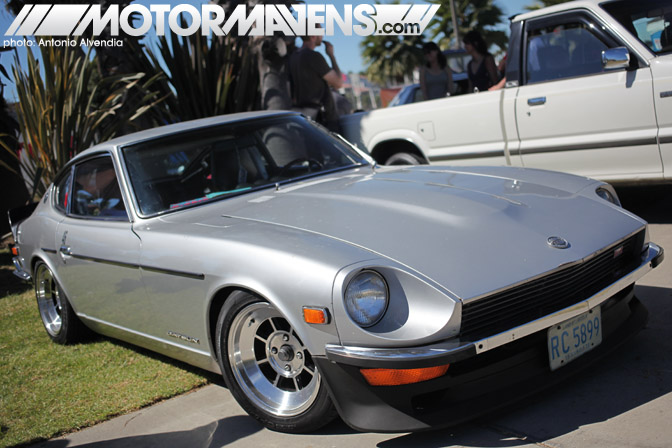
(208,164)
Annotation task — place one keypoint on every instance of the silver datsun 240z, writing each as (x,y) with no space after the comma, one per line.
(402,298)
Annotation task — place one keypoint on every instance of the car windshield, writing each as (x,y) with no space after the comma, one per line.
(649,20)
(196,167)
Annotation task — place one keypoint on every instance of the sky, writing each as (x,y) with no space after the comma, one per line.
(348,53)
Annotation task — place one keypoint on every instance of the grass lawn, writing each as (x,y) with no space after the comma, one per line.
(47,389)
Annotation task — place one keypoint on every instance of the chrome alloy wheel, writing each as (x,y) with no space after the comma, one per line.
(270,363)
(48,300)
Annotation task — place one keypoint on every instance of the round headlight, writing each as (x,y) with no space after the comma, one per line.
(366,298)
(608,195)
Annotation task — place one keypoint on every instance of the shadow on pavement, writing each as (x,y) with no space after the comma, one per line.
(215,434)
(650,202)
(638,373)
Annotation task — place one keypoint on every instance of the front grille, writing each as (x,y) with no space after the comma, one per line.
(535,299)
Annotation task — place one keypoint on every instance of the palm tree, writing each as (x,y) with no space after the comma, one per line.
(196,75)
(8,126)
(9,129)
(479,15)
(60,114)
(543,3)
(391,58)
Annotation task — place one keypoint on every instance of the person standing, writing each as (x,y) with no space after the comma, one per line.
(482,69)
(312,79)
(436,79)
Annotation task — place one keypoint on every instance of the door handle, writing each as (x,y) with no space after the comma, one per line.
(541,100)
(65,250)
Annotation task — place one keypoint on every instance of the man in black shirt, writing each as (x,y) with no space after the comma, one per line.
(312,79)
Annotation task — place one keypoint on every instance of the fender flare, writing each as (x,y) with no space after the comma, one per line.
(400,134)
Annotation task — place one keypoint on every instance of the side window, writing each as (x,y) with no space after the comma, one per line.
(96,191)
(417,95)
(63,188)
(650,21)
(564,50)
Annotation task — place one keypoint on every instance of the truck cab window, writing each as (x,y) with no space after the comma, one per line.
(563,51)
(648,20)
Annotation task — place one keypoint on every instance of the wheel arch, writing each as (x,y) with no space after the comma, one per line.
(50,264)
(385,149)
(224,293)
(33,263)
(215,306)
(39,257)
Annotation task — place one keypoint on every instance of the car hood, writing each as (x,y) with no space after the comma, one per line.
(471,230)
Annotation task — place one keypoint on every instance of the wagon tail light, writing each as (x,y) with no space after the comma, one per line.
(399,377)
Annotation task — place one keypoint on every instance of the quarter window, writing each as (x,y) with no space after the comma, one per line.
(63,188)
(564,50)
(96,191)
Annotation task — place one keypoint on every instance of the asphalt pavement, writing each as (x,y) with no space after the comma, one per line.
(625,401)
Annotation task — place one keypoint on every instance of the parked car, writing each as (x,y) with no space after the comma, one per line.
(588,91)
(457,61)
(263,247)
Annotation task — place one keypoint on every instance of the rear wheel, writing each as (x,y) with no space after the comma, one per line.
(59,319)
(268,368)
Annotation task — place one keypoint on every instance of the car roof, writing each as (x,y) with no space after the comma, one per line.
(161,131)
(587,4)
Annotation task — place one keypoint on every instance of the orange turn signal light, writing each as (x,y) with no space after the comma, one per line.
(398,377)
(317,316)
(15,251)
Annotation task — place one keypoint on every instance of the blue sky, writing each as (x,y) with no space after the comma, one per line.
(348,53)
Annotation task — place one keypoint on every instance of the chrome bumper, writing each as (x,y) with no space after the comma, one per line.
(452,351)
(18,270)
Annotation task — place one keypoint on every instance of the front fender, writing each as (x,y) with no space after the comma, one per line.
(399,134)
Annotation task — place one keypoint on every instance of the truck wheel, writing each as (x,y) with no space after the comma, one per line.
(59,319)
(268,369)
(404,158)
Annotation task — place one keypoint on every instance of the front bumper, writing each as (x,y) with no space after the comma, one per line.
(19,271)
(483,375)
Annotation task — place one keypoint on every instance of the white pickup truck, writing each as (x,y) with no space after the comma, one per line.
(588,91)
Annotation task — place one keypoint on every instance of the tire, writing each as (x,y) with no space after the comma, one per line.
(59,319)
(404,158)
(268,369)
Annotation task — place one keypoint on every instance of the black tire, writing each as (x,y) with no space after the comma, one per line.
(404,158)
(59,319)
(267,369)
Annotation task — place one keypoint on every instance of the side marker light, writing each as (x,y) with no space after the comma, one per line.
(398,377)
(315,316)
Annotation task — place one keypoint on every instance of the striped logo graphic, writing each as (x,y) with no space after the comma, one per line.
(363,19)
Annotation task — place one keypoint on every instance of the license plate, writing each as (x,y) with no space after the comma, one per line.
(570,339)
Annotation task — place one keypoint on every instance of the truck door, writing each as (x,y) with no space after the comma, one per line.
(575,115)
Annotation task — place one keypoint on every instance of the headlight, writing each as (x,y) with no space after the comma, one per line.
(608,194)
(366,298)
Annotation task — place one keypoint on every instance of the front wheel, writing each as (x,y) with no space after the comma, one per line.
(404,158)
(268,369)
(59,319)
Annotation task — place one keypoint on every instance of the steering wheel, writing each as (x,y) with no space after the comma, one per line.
(312,163)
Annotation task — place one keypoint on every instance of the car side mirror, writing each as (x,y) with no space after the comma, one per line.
(614,58)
